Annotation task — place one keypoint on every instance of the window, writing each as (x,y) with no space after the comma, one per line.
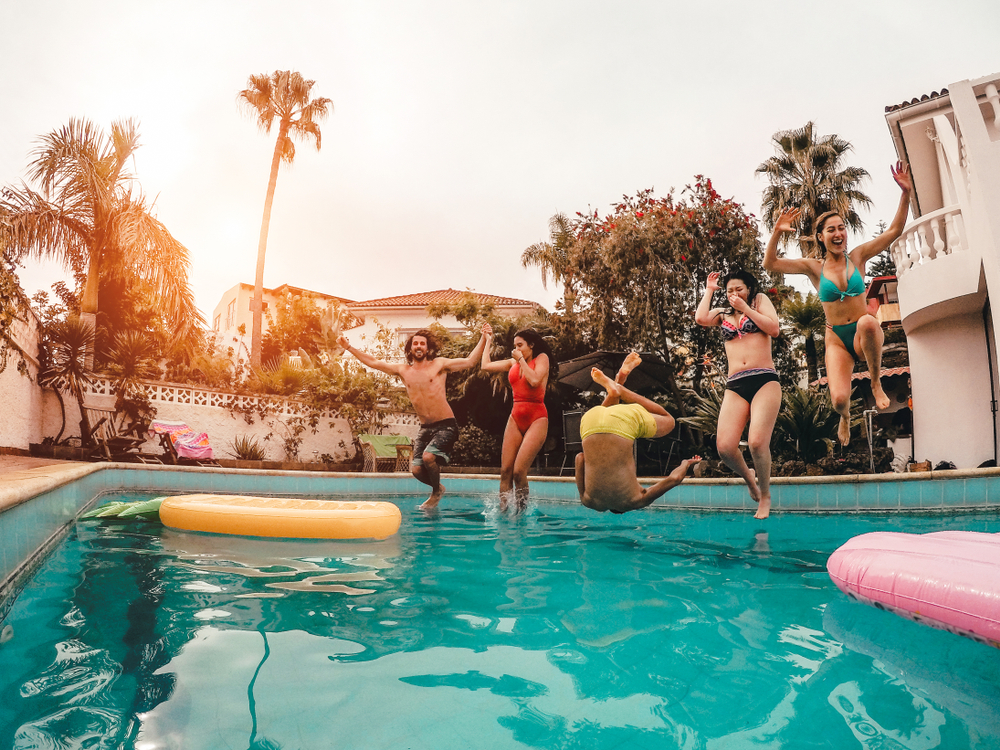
(218,319)
(231,315)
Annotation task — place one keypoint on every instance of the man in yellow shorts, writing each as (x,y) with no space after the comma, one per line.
(605,470)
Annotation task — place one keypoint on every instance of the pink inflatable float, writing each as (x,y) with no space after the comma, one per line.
(948,579)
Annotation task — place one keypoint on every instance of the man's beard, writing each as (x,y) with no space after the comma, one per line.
(418,355)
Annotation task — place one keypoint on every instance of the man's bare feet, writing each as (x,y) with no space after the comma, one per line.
(844,431)
(632,361)
(432,502)
(603,380)
(764,507)
(881,400)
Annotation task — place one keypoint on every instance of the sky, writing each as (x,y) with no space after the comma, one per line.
(459,128)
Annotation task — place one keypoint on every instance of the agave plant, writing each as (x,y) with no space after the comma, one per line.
(705,414)
(247,448)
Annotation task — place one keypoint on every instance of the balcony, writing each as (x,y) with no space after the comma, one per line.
(938,274)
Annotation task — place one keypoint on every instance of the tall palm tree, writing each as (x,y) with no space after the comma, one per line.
(553,257)
(283,96)
(808,172)
(91,216)
(806,317)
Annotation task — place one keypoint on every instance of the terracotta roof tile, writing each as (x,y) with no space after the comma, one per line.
(867,375)
(422,299)
(924,98)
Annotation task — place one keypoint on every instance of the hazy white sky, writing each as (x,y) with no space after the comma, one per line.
(460,127)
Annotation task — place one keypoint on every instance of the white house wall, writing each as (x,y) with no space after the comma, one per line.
(20,398)
(949,371)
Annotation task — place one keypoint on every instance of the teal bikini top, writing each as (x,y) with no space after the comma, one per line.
(830,292)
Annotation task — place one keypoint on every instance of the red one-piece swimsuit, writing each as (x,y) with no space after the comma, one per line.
(529,403)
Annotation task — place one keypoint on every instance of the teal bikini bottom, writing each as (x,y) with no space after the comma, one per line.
(846,334)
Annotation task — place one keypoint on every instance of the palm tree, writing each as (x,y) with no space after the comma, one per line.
(806,317)
(282,96)
(808,172)
(91,216)
(553,257)
(65,368)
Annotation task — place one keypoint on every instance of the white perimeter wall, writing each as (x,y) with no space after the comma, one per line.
(950,375)
(28,414)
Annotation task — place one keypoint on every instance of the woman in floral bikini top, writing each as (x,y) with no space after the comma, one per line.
(752,391)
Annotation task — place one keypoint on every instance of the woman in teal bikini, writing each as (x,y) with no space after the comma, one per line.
(852,333)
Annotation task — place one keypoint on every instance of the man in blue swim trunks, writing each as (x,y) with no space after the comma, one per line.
(425,375)
(605,470)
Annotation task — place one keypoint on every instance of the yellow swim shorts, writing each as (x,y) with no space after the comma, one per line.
(629,421)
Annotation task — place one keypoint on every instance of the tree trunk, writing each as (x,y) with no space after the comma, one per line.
(812,364)
(257,303)
(88,305)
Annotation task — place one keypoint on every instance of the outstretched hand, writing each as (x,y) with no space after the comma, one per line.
(712,285)
(788,221)
(487,330)
(342,340)
(901,174)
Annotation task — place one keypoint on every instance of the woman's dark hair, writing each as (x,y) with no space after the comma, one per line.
(753,286)
(539,346)
(820,221)
(432,344)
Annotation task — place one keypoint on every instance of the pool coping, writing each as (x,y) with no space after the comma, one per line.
(20,486)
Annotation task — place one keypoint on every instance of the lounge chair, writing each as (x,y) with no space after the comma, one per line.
(105,439)
(386,452)
(182,444)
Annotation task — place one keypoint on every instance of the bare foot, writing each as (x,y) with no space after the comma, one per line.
(432,502)
(881,400)
(844,431)
(764,509)
(753,487)
(632,361)
(601,379)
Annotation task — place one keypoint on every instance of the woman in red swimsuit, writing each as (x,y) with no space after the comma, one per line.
(528,373)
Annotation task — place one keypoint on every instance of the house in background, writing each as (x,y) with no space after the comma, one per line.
(402,315)
(233,311)
(407,313)
(948,267)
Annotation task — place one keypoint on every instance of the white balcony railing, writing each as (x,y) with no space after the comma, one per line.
(932,236)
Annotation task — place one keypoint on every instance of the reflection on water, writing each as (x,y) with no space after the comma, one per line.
(551,628)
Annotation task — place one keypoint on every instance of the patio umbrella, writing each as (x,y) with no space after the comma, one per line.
(648,378)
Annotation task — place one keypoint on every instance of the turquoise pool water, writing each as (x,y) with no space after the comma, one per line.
(559,629)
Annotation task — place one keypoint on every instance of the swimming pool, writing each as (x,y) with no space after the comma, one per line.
(562,628)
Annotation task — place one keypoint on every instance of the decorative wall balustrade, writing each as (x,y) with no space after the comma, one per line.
(172,393)
(932,236)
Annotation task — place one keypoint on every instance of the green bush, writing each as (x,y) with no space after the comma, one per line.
(475,447)
(247,448)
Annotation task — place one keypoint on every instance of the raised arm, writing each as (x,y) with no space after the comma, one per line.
(366,359)
(705,315)
(487,365)
(664,485)
(536,375)
(786,223)
(868,250)
(464,363)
